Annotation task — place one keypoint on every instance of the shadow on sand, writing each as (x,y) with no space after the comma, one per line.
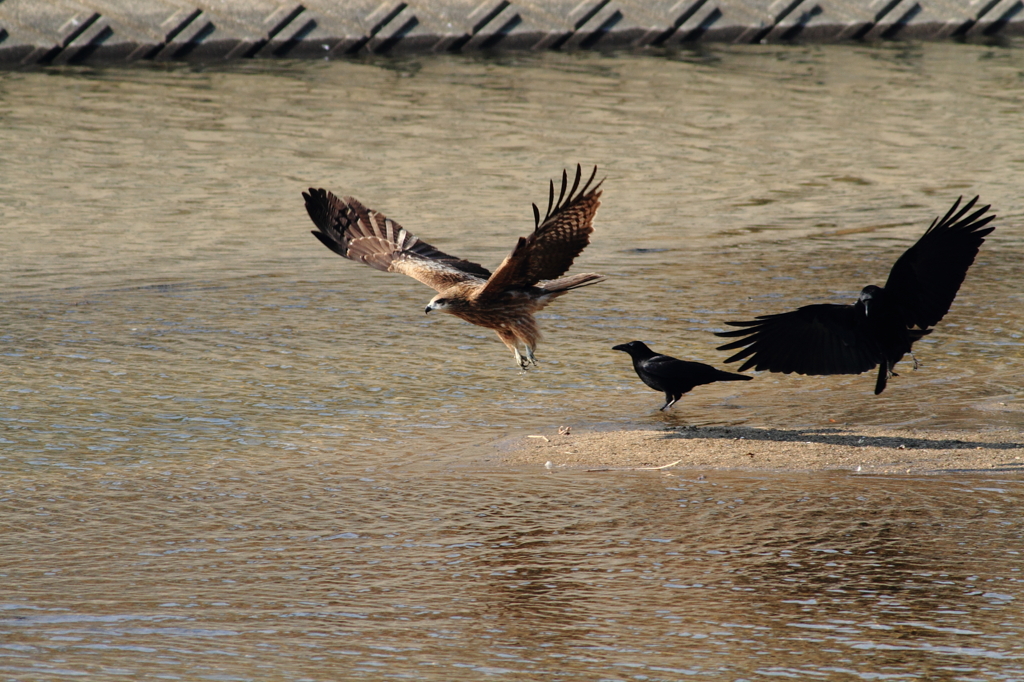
(834,436)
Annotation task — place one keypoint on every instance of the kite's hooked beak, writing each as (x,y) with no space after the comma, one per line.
(436,304)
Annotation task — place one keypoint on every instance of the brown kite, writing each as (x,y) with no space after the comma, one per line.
(526,281)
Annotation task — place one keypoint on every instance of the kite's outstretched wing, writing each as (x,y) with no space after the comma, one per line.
(824,338)
(351,230)
(925,279)
(555,242)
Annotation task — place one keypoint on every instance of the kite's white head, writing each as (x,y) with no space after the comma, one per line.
(439,302)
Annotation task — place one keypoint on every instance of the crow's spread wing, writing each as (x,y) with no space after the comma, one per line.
(815,339)
(925,279)
(351,230)
(555,242)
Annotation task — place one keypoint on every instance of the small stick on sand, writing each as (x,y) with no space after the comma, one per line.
(663,466)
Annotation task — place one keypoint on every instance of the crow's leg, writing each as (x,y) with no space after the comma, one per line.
(884,372)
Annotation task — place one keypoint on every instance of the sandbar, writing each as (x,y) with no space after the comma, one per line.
(862,449)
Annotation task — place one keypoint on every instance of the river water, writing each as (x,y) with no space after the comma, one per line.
(226,453)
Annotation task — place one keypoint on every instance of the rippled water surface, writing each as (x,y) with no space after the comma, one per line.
(226,453)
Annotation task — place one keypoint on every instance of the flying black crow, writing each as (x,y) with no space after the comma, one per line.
(673,377)
(880,328)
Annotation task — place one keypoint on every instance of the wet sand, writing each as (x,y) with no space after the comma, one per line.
(864,449)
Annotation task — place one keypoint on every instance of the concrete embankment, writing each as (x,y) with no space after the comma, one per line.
(123,31)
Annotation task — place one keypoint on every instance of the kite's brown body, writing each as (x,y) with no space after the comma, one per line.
(505,301)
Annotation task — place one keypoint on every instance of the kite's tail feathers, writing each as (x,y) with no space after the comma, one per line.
(563,284)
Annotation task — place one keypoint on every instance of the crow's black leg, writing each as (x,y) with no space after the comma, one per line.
(884,372)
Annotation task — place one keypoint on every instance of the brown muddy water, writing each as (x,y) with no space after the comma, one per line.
(226,453)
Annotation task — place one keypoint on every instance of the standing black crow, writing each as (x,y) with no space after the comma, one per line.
(880,328)
(673,377)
